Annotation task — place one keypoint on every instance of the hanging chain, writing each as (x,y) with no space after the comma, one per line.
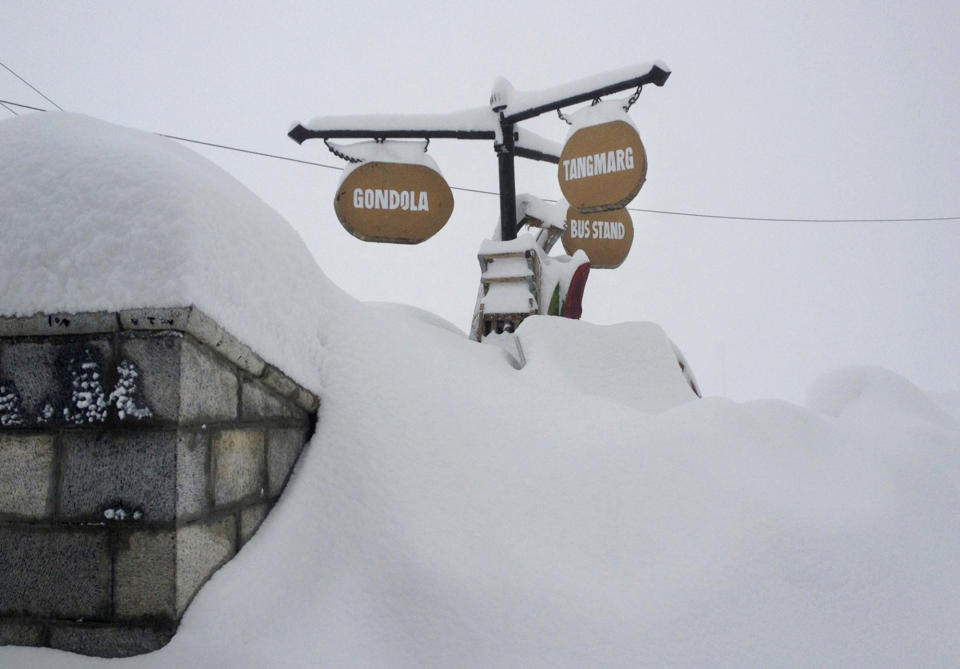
(340,154)
(597,100)
(633,98)
(350,159)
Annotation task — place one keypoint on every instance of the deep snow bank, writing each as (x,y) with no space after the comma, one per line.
(452,511)
(631,363)
(866,392)
(99,217)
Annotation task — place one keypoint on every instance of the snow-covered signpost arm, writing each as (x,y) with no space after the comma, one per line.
(440,126)
(526,105)
(477,123)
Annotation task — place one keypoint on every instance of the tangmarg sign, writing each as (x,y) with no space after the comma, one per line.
(600,168)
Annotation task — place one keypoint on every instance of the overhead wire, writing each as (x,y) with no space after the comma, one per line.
(250,151)
(17,104)
(32,87)
(481,191)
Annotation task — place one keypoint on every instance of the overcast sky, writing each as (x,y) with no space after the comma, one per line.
(784,110)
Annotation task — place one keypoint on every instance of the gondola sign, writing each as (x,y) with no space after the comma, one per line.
(602,166)
(399,203)
(605,236)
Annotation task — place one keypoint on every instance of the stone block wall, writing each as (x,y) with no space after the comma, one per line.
(139,451)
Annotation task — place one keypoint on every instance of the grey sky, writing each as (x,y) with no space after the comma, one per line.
(800,109)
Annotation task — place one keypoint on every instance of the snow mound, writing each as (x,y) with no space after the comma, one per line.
(99,217)
(452,511)
(407,311)
(632,363)
(949,402)
(866,392)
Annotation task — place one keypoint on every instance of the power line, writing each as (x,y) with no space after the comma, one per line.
(691,214)
(798,220)
(665,212)
(34,88)
(250,151)
(17,104)
(9,109)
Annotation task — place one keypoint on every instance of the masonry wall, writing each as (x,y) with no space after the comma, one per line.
(139,451)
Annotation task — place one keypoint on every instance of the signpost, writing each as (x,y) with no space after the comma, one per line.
(393,202)
(605,236)
(498,123)
(602,166)
(396,196)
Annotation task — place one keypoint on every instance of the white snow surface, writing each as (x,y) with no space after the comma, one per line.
(521,101)
(550,214)
(99,217)
(474,119)
(479,119)
(527,139)
(554,270)
(633,364)
(508,298)
(585,510)
(507,268)
(864,391)
(388,151)
(454,512)
(605,111)
(519,244)
(558,270)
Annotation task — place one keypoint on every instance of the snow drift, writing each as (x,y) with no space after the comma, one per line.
(99,217)
(586,510)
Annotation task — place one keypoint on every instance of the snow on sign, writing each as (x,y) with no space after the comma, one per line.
(602,166)
(399,203)
(605,236)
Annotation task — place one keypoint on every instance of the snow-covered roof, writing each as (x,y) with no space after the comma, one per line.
(98,217)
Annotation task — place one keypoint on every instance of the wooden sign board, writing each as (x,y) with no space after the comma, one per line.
(398,203)
(605,236)
(602,167)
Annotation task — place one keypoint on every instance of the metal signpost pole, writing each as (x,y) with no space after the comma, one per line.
(508,186)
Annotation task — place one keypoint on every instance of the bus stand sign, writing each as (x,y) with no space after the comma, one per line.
(605,236)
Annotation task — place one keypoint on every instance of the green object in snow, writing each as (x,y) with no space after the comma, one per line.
(554,309)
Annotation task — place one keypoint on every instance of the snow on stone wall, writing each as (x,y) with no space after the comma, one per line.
(101,218)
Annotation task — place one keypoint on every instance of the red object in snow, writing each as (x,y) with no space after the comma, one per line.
(573,306)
